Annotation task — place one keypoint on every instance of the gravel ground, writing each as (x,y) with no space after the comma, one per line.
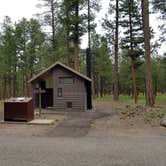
(92,150)
(74,142)
(76,124)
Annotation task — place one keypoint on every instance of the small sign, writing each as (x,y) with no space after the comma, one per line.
(39,91)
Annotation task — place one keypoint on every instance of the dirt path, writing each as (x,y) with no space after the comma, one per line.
(76,124)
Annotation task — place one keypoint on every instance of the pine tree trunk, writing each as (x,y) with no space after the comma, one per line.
(53,30)
(76,39)
(134,85)
(101,87)
(23,85)
(68,50)
(14,85)
(89,26)
(9,86)
(27,86)
(1,86)
(146,28)
(67,36)
(164,67)
(4,87)
(76,62)
(97,85)
(116,93)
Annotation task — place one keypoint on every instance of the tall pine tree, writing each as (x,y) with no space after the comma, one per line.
(146,29)
(132,37)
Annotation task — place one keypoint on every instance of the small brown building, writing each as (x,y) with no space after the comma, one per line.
(65,89)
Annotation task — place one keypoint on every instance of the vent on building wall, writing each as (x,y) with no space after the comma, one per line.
(69,104)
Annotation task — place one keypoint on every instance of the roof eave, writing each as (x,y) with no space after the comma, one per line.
(62,65)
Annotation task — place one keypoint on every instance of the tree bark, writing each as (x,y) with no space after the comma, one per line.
(146,28)
(68,50)
(27,86)
(76,38)
(4,87)
(14,84)
(116,93)
(9,86)
(164,59)
(101,87)
(89,26)
(76,63)
(23,84)
(67,35)
(53,29)
(134,84)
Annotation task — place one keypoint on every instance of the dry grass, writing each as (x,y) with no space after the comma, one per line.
(125,99)
(150,116)
(128,115)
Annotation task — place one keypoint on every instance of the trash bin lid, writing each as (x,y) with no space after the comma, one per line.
(18,100)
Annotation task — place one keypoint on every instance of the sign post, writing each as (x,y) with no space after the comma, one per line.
(40,91)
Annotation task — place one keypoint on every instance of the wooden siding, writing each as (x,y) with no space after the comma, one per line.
(75,93)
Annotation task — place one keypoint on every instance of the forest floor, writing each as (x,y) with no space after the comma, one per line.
(113,135)
(129,117)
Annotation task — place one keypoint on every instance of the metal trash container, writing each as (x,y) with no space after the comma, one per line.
(19,109)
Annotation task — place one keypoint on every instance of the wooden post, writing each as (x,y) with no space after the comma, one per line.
(40,91)
(39,101)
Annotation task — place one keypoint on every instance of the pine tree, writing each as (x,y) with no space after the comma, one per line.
(50,18)
(8,46)
(132,37)
(101,65)
(146,29)
(65,14)
(76,22)
(116,89)
(111,25)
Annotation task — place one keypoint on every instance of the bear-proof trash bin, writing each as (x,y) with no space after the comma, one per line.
(19,109)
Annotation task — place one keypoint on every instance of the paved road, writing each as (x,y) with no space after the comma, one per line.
(101,150)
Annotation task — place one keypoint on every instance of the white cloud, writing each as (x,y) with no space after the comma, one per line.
(16,9)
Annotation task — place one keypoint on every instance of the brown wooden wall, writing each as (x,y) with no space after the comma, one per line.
(75,93)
